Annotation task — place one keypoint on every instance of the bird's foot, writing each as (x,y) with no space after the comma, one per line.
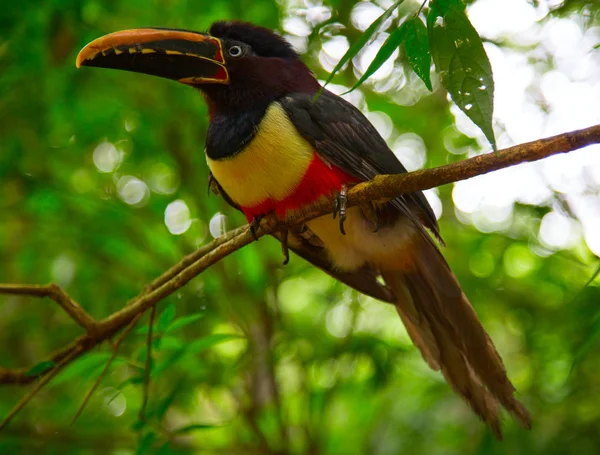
(370,213)
(255,225)
(284,245)
(339,206)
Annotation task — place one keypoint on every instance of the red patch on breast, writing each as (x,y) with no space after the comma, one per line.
(320,180)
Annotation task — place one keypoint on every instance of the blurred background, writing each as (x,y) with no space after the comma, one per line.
(103,186)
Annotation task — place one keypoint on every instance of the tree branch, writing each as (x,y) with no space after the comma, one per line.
(147,366)
(390,186)
(56,293)
(116,346)
(43,381)
(383,187)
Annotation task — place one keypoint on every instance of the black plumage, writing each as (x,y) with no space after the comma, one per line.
(342,135)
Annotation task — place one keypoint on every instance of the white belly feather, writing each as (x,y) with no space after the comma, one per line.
(385,248)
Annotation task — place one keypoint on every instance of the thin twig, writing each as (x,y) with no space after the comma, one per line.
(33,392)
(191,258)
(56,293)
(116,346)
(148,366)
(421,8)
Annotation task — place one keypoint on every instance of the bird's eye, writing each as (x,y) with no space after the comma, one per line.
(236,51)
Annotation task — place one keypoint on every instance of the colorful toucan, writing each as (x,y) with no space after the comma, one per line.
(272,147)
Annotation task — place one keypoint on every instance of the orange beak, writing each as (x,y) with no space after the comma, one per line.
(188,57)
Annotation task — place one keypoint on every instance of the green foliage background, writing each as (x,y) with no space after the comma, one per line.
(251,357)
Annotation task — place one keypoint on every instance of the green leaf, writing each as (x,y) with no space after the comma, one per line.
(86,367)
(587,345)
(594,335)
(212,340)
(166,363)
(166,317)
(363,40)
(416,46)
(194,348)
(384,53)
(134,380)
(462,63)
(170,342)
(146,443)
(443,6)
(142,330)
(40,368)
(165,449)
(165,404)
(182,322)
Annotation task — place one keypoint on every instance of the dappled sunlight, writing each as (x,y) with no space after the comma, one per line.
(63,270)
(333,50)
(558,231)
(114,401)
(163,179)
(106,157)
(133,191)
(382,122)
(366,56)
(217,225)
(339,320)
(534,101)
(178,217)
(433,197)
(410,150)
(519,261)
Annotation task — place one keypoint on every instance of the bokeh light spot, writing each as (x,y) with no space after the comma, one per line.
(519,261)
(217,225)
(132,190)
(178,217)
(114,400)
(482,264)
(558,231)
(106,157)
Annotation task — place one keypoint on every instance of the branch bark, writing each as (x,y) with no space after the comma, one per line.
(383,187)
(56,293)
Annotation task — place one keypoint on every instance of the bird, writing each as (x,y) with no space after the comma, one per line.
(277,144)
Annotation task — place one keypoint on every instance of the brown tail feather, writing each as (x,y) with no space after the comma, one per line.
(443,325)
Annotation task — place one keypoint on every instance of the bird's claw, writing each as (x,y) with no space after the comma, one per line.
(284,246)
(339,206)
(254,226)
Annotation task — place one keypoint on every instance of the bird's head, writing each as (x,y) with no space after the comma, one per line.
(237,65)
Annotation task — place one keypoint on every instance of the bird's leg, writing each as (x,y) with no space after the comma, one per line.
(284,245)
(339,206)
(255,225)
(370,213)
(213,185)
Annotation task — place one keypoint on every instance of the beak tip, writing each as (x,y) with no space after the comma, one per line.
(79,61)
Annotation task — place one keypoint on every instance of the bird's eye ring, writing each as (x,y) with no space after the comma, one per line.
(236,51)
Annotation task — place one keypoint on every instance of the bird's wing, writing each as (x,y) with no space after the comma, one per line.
(344,137)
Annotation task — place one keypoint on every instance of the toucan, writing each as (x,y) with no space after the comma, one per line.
(277,143)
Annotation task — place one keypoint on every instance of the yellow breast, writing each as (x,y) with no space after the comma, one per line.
(271,166)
